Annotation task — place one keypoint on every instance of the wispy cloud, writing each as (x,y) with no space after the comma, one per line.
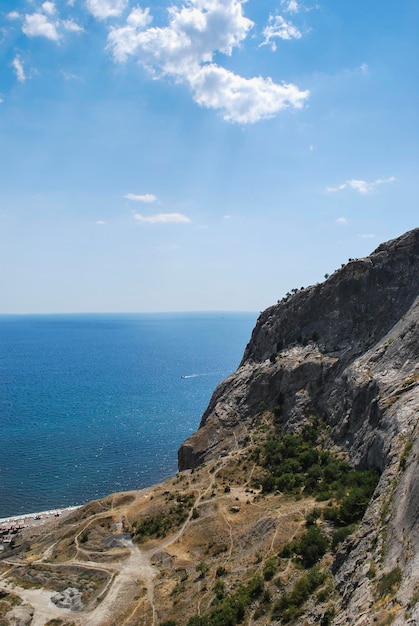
(19,70)
(100,222)
(362,186)
(366,236)
(279,28)
(342,221)
(72,26)
(290,6)
(185,49)
(163,218)
(146,197)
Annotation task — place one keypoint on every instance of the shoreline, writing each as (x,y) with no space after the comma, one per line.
(31,519)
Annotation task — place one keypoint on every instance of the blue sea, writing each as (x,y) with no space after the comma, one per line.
(93,404)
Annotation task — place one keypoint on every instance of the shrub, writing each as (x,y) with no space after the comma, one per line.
(340,535)
(290,604)
(389,583)
(311,546)
(269,569)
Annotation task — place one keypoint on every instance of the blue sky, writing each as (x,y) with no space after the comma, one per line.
(201,155)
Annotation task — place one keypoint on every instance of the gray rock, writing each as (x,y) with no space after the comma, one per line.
(70,598)
(347,350)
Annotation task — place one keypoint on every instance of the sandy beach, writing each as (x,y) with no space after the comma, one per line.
(9,526)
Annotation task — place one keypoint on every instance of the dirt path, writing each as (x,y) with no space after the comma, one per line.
(137,567)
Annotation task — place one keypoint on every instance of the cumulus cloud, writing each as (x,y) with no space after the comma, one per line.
(45,23)
(362,186)
(19,70)
(102,9)
(146,197)
(242,100)
(38,25)
(342,220)
(185,51)
(279,28)
(13,15)
(48,7)
(163,218)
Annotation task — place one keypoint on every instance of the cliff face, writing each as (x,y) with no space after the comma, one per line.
(346,350)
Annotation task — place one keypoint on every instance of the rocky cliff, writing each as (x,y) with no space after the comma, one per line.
(346,350)
(267,523)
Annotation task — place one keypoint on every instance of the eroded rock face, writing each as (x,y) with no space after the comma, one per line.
(347,350)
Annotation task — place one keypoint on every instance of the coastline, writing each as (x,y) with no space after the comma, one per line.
(16,523)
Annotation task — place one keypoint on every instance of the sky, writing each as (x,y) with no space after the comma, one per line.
(200,155)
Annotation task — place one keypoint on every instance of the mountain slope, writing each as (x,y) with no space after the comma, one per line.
(297,498)
(346,350)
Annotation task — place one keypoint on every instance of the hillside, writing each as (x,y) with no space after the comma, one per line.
(297,498)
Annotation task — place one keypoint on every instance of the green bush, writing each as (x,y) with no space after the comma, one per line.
(340,535)
(269,569)
(311,546)
(290,605)
(389,583)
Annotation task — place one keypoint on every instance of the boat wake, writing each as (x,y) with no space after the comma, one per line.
(198,375)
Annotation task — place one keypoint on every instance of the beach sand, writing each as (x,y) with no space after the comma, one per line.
(9,526)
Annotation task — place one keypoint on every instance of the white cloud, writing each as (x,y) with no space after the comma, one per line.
(13,15)
(38,25)
(185,50)
(242,100)
(163,218)
(48,7)
(1,98)
(102,9)
(19,70)
(362,186)
(290,6)
(146,197)
(100,222)
(342,220)
(367,236)
(72,26)
(278,27)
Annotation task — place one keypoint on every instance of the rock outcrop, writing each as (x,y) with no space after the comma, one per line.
(346,350)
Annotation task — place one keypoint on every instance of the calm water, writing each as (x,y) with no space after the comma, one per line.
(91,404)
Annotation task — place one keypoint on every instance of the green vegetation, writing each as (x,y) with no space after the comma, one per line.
(310,547)
(290,605)
(407,450)
(296,464)
(389,583)
(270,568)
(340,535)
(231,610)
(162,523)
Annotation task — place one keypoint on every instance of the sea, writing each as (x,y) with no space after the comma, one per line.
(98,403)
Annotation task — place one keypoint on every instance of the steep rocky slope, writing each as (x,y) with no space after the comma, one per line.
(346,350)
(265,524)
